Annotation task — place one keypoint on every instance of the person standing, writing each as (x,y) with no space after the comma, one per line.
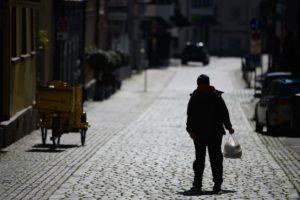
(207,114)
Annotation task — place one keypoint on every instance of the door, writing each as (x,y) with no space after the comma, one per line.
(1,72)
(69,41)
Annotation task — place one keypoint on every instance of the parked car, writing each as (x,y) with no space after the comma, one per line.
(264,80)
(195,52)
(277,105)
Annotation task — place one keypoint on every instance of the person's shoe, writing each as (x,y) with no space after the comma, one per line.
(196,189)
(217,189)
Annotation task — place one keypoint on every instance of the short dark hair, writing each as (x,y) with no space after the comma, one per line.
(203,79)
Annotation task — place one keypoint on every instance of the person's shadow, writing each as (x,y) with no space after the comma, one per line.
(191,192)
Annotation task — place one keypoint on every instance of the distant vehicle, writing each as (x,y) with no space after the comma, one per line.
(278,106)
(266,78)
(194,52)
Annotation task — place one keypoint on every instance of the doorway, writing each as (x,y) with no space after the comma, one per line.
(1,73)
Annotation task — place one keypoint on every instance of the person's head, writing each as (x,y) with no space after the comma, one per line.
(203,79)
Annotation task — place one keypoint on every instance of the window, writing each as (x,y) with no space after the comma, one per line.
(235,14)
(201,3)
(32,32)
(290,89)
(234,43)
(273,89)
(24,32)
(14,32)
(162,1)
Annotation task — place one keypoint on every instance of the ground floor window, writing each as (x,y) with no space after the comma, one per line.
(22,33)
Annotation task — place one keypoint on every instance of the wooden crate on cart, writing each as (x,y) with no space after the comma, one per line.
(61,109)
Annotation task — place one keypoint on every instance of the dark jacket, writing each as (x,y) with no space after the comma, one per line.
(207,112)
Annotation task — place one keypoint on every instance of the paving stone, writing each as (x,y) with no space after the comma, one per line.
(137,148)
(152,150)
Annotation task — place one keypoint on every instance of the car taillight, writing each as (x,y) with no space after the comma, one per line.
(282,101)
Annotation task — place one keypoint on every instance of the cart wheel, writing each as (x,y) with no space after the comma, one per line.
(55,141)
(55,130)
(83,131)
(83,134)
(83,117)
(44,135)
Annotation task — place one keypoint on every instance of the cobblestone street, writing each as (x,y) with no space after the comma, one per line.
(137,147)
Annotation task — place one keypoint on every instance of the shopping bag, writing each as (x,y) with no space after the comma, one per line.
(232,148)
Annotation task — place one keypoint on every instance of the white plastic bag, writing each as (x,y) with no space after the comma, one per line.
(232,148)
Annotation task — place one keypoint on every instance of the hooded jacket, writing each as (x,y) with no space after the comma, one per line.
(207,112)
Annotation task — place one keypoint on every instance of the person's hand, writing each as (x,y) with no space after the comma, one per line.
(193,135)
(231,131)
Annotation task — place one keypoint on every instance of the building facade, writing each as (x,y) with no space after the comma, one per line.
(223,25)
(19,23)
(41,40)
(230,37)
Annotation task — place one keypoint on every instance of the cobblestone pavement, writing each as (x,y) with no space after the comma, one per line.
(29,170)
(137,148)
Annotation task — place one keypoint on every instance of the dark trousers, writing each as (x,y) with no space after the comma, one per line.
(213,145)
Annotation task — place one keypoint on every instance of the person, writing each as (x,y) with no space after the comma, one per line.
(207,114)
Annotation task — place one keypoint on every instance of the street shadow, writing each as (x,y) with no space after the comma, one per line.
(281,133)
(3,152)
(157,67)
(48,148)
(203,193)
(61,146)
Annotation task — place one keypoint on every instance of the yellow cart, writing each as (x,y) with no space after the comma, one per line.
(60,108)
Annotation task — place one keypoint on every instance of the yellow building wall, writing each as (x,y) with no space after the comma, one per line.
(23,74)
(23,85)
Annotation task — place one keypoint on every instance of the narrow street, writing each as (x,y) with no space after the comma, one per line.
(137,147)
